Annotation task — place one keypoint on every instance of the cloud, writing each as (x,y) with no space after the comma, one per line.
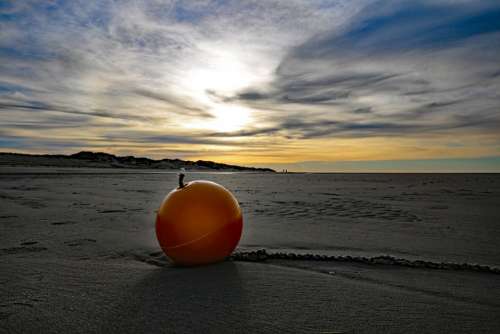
(386,27)
(38,106)
(212,75)
(432,63)
(181,105)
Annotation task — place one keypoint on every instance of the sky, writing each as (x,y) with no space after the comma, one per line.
(302,85)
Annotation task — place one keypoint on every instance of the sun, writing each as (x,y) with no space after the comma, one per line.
(226,118)
(229,118)
(212,83)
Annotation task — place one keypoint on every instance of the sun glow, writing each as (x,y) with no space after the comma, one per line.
(214,82)
(227,118)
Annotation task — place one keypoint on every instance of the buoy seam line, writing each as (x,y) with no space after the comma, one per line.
(199,238)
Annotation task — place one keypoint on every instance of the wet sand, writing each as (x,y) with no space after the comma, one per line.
(78,254)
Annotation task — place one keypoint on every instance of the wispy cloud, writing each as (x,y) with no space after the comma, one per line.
(249,81)
(415,66)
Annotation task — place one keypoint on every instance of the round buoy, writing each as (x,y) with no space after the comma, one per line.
(199,222)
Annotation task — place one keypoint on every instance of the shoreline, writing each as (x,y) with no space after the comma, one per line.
(7,169)
(48,170)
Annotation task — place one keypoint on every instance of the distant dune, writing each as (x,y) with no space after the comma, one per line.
(105,160)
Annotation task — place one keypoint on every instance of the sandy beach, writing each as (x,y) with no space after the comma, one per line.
(78,254)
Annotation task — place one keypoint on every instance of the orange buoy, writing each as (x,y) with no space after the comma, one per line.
(199,222)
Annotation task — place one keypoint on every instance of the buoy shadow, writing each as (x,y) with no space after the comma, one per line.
(204,299)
